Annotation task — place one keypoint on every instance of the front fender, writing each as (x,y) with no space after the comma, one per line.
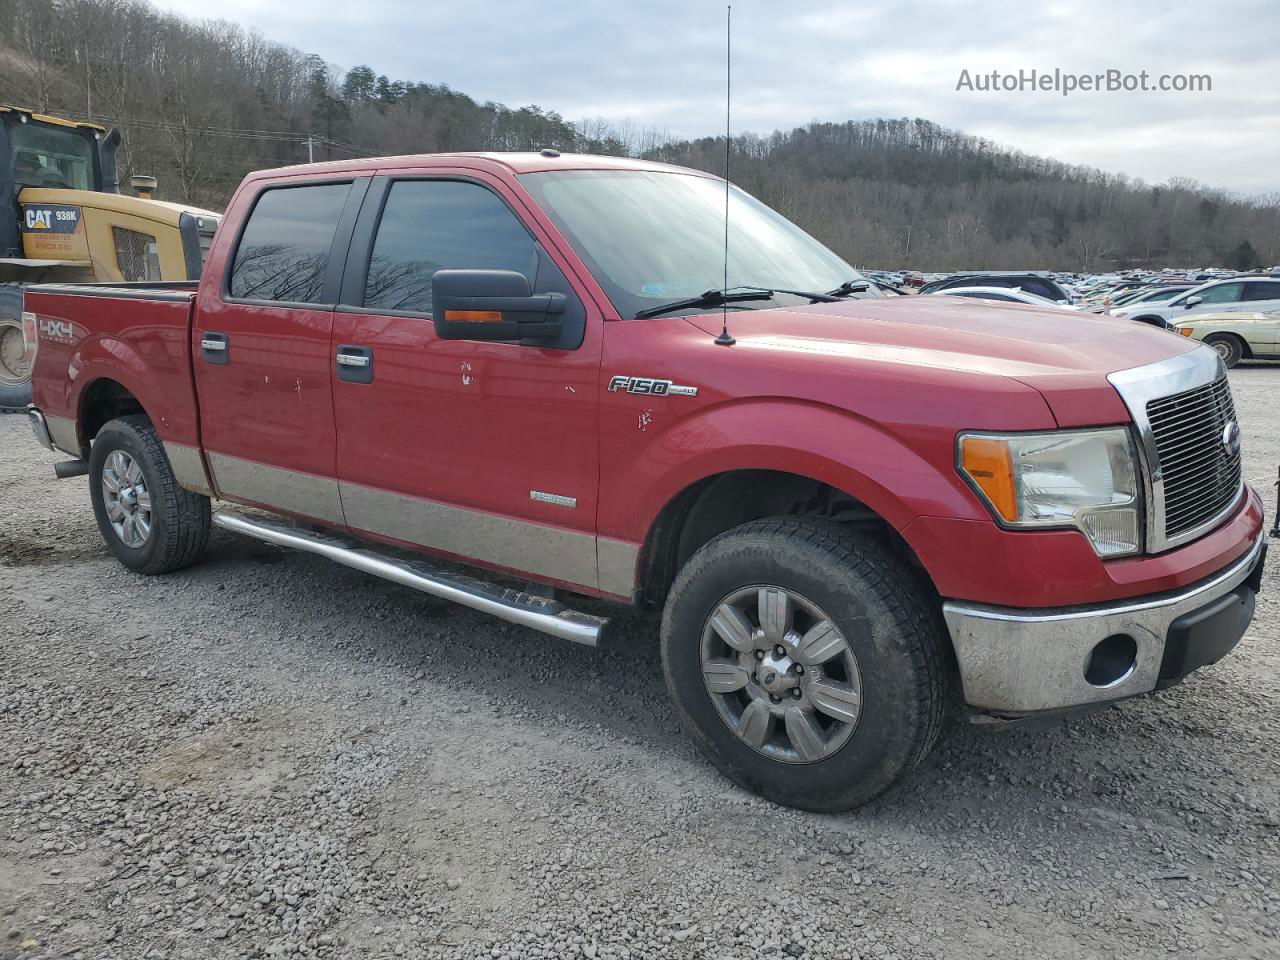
(900,479)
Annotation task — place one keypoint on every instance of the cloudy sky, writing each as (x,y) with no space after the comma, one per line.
(660,64)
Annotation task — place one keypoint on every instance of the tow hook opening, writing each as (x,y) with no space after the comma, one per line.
(1111,661)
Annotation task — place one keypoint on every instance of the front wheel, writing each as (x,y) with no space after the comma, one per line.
(1229,347)
(804,662)
(149,522)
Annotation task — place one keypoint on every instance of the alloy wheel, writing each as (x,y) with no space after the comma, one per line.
(781,674)
(127,500)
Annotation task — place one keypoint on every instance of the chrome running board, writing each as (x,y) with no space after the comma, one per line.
(515,606)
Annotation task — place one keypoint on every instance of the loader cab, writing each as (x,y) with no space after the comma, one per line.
(49,153)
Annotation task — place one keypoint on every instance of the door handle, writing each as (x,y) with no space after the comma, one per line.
(215,348)
(354,364)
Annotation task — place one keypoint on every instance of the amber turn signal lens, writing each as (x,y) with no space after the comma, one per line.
(988,462)
(1184,331)
(473,316)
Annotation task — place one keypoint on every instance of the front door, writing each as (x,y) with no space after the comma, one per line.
(262,352)
(484,451)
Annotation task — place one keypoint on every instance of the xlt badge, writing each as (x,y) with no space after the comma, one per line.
(650,387)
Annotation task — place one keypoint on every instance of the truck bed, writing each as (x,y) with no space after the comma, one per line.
(95,338)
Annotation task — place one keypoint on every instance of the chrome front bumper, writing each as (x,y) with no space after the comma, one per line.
(1029,661)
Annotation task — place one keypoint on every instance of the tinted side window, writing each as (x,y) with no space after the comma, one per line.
(1041,288)
(284,250)
(430,225)
(1262,290)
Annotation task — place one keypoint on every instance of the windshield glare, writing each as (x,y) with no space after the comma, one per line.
(651,238)
(42,156)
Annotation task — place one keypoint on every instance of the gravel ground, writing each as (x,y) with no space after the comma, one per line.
(269,755)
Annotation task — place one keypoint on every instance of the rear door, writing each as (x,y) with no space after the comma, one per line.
(262,353)
(1264,296)
(485,451)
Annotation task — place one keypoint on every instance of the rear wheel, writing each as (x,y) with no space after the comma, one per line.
(151,524)
(804,662)
(1229,347)
(1160,322)
(15,369)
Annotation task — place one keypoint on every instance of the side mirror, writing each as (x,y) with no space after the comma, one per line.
(1191,302)
(492,305)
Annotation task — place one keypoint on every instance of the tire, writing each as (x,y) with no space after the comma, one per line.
(1230,348)
(1160,322)
(15,375)
(177,520)
(885,621)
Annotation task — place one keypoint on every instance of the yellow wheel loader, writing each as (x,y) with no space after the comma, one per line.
(63,219)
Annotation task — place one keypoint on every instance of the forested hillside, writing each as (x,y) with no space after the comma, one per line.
(200,104)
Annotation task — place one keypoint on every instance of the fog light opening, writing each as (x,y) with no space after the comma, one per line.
(1111,661)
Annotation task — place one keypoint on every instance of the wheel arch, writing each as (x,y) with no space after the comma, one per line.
(1246,351)
(742,462)
(1151,320)
(716,503)
(101,400)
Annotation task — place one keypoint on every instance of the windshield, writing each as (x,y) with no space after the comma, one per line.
(651,238)
(43,156)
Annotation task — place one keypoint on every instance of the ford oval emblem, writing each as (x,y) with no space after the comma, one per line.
(1231,438)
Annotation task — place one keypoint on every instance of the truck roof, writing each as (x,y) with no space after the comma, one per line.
(515,162)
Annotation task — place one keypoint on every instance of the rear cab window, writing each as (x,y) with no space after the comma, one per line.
(283,253)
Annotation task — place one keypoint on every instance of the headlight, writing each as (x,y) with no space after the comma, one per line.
(1086,479)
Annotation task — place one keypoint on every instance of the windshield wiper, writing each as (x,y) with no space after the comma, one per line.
(848,288)
(711,298)
(807,294)
(738,294)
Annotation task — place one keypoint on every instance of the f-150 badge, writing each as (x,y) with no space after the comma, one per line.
(650,387)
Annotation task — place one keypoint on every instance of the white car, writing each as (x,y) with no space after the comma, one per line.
(1004,294)
(1217,296)
(1150,297)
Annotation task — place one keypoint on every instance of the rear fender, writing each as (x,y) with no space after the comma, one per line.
(158,380)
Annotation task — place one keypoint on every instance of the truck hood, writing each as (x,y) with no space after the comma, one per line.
(1065,355)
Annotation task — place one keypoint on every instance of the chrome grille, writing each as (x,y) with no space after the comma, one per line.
(1201,471)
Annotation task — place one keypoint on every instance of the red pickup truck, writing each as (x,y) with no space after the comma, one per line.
(847,508)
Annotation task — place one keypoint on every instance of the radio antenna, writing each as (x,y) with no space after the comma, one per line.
(725,340)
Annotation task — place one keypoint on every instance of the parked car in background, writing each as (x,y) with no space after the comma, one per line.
(1041,284)
(1148,296)
(1156,294)
(1217,296)
(1002,295)
(1237,336)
